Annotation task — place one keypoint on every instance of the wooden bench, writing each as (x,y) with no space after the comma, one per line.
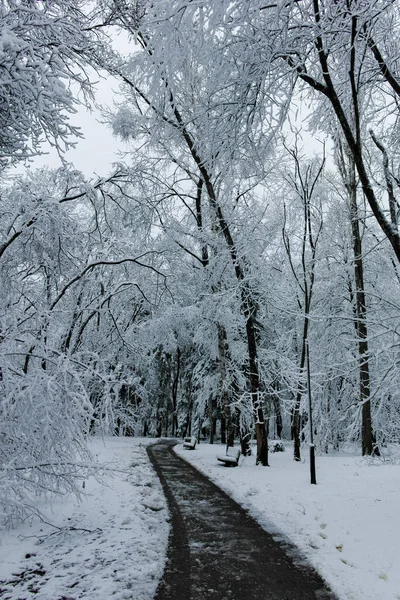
(190,443)
(231,458)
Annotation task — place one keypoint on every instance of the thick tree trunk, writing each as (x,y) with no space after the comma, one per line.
(226,404)
(175,383)
(254,378)
(187,429)
(367,441)
(296,431)
(262,444)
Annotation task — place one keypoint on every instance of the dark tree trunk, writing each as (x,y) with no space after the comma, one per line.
(245,439)
(367,442)
(262,444)
(254,378)
(352,128)
(223,431)
(296,434)
(187,430)
(175,394)
(214,427)
(348,173)
(211,417)
(225,395)
(238,264)
(296,422)
(279,423)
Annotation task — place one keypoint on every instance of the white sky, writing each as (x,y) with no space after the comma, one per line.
(93,155)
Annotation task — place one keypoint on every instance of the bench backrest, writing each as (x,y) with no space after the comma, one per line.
(190,440)
(233,452)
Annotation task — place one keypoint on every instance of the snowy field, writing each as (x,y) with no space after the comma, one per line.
(111,545)
(348,526)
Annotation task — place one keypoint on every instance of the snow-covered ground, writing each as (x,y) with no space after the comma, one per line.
(111,545)
(348,526)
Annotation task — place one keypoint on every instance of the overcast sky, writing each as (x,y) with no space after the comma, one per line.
(98,150)
(95,153)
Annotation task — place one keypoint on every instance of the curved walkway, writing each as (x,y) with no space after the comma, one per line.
(216,551)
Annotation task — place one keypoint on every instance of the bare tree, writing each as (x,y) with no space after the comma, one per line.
(334,51)
(304,183)
(348,174)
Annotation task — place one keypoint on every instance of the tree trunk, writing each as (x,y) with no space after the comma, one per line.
(353,138)
(238,264)
(223,430)
(222,351)
(367,441)
(262,444)
(245,443)
(211,417)
(278,413)
(296,422)
(348,173)
(175,394)
(254,378)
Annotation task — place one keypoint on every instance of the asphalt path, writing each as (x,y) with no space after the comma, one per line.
(216,551)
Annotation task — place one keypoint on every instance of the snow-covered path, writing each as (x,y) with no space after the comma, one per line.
(110,546)
(218,552)
(348,526)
